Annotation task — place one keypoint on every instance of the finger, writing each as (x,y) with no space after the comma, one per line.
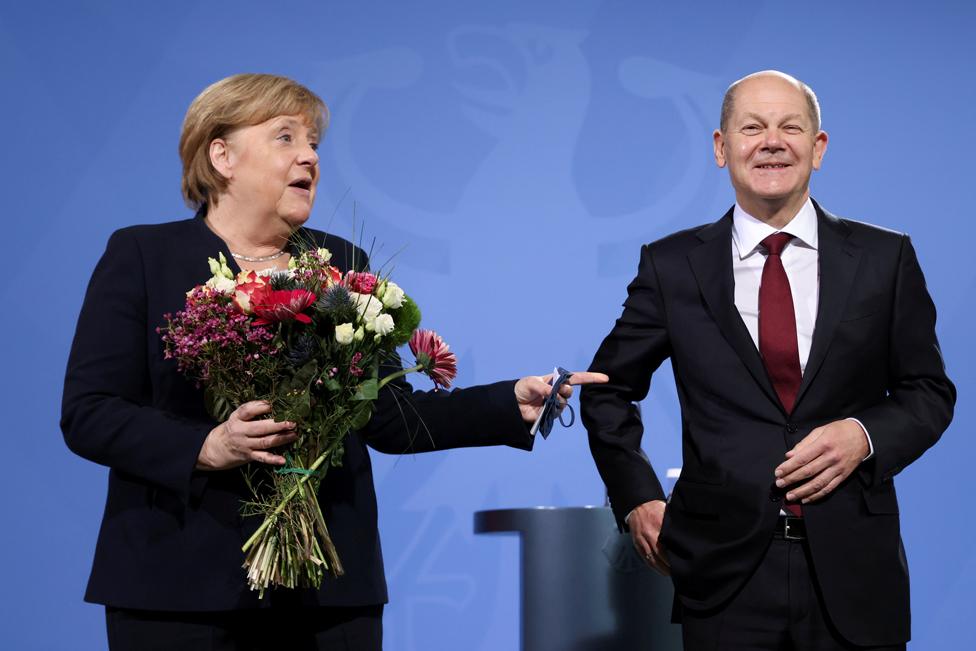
(814,435)
(810,469)
(826,491)
(272,441)
(252,409)
(587,377)
(643,547)
(799,458)
(259,428)
(566,391)
(812,486)
(538,387)
(266,457)
(658,565)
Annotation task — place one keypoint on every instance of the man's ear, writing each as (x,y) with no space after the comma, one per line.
(220,158)
(718,142)
(819,149)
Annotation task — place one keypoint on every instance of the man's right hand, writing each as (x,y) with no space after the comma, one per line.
(242,439)
(645,530)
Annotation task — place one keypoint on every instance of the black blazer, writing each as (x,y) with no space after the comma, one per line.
(171,536)
(874,357)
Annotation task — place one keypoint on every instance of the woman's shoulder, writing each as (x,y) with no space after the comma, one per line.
(165,230)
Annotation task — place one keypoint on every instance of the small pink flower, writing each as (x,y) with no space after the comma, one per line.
(354,365)
(434,356)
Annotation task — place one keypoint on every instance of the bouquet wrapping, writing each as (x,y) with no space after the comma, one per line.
(310,341)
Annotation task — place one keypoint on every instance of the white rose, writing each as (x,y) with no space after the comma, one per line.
(222,284)
(325,255)
(344,333)
(393,296)
(383,325)
(368,306)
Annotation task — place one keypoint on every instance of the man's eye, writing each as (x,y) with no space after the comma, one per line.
(751,128)
(792,128)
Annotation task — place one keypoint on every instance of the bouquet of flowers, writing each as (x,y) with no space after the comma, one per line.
(309,341)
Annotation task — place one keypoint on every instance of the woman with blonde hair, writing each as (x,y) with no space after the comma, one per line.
(167,563)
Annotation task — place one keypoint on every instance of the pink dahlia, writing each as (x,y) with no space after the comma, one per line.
(434,357)
(274,305)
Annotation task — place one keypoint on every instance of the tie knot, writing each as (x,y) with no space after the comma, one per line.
(776,242)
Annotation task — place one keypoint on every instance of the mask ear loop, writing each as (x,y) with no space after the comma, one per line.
(551,406)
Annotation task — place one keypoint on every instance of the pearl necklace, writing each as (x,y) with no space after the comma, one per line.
(260,258)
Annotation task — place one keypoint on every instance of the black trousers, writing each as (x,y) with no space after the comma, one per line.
(294,629)
(780,608)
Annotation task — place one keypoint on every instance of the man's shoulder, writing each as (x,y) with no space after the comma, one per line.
(680,241)
(863,233)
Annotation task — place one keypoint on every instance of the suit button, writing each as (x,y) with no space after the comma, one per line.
(791,428)
(775,497)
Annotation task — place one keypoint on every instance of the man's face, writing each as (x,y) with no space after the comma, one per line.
(770,144)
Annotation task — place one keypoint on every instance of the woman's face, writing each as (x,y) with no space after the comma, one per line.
(274,167)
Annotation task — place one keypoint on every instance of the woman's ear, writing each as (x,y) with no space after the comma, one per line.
(220,158)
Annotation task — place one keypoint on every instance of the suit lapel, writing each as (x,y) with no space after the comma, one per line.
(838,266)
(711,263)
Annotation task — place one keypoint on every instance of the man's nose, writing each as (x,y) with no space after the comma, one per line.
(772,140)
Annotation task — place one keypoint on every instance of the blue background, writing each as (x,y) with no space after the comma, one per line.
(518,153)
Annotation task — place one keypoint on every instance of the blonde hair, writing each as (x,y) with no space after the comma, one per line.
(237,101)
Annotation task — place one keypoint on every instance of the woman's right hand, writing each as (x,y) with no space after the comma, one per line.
(241,439)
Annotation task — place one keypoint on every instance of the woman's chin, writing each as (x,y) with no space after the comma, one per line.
(295,219)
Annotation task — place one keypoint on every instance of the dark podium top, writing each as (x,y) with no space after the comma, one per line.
(584,587)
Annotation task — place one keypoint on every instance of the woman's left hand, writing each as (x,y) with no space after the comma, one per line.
(531,391)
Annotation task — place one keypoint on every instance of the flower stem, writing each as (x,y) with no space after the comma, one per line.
(399,374)
(284,502)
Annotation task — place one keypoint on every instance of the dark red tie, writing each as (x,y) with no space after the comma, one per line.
(777,330)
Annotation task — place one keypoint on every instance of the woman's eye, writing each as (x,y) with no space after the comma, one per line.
(286,137)
(314,146)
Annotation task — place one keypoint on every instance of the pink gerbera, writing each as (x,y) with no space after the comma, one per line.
(434,357)
(274,305)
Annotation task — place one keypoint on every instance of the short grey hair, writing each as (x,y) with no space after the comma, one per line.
(728,102)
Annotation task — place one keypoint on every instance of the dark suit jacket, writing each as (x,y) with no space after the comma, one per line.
(171,536)
(874,357)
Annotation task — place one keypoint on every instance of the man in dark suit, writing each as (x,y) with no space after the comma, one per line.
(808,373)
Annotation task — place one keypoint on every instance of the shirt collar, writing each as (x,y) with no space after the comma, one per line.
(748,232)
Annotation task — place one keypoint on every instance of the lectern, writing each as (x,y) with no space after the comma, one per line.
(583,587)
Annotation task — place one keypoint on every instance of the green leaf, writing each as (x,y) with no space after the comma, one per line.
(362,416)
(368,390)
(304,376)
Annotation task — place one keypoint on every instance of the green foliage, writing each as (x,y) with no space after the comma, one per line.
(406,320)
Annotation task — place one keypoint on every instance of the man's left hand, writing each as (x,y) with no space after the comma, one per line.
(822,460)
(531,392)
